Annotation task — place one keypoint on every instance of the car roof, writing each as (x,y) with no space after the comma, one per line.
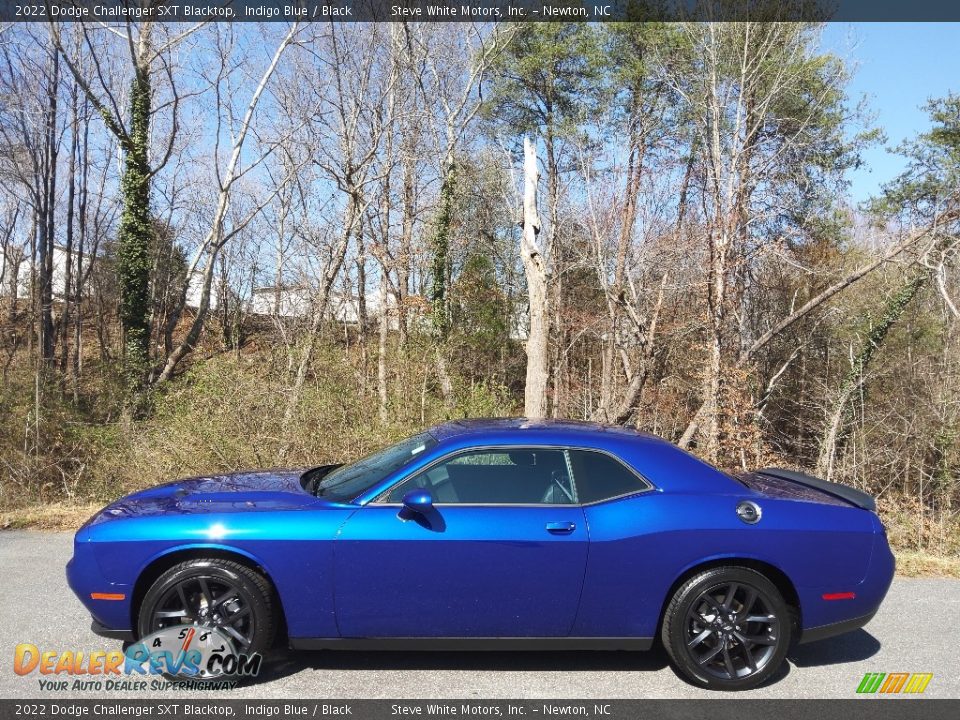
(658,460)
(531,428)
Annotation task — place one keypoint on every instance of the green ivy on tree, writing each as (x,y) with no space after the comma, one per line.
(136,235)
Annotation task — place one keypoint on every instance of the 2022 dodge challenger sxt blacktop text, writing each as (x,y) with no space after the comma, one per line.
(497,534)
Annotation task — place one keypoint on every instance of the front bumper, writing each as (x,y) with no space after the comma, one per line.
(111,634)
(85,578)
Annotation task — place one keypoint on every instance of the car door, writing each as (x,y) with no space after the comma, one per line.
(501,553)
(622,595)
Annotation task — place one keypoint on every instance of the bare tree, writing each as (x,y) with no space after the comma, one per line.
(535,269)
(31,132)
(219,234)
(735,87)
(147,54)
(347,132)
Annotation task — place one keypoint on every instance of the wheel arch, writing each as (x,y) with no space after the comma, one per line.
(774,574)
(160,564)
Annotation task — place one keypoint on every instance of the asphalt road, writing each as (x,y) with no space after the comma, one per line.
(915,631)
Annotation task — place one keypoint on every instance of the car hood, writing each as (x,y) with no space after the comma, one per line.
(231,492)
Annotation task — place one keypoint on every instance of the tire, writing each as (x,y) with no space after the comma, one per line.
(727,641)
(219,594)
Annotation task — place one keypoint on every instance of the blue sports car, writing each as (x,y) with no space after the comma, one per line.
(497,534)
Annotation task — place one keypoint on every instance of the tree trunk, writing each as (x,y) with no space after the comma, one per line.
(77,365)
(716,284)
(682,203)
(440,315)
(196,327)
(441,251)
(68,270)
(557,258)
(406,243)
(34,231)
(351,219)
(363,316)
(616,295)
(382,348)
(535,393)
(134,240)
(621,412)
(46,221)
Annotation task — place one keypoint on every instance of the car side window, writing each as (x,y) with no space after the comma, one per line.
(601,477)
(508,476)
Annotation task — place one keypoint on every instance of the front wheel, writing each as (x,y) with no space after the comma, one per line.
(216,599)
(727,628)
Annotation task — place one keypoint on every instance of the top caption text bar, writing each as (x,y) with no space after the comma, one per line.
(112,11)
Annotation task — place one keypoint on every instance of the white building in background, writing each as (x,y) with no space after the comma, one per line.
(296,301)
(290,301)
(195,290)
(15,272)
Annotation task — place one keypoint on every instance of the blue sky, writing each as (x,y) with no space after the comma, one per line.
(897,66)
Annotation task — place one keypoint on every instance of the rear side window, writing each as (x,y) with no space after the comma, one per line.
(600,477)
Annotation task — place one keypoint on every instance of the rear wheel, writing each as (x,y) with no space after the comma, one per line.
(727,628)
(214,594)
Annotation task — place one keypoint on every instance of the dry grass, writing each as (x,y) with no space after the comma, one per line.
(918,564)
(57,516)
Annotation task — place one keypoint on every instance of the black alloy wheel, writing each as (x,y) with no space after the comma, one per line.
(222,595)
(727,628)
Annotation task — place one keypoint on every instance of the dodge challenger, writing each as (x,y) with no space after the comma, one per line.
(496,534)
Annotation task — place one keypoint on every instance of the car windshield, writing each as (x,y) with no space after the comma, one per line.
(349,481)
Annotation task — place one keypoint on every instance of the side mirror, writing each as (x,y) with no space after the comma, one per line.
(418,501)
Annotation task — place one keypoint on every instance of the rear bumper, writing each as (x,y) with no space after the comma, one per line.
(826,617)
(838,628)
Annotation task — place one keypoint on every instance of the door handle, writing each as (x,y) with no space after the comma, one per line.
(561,528)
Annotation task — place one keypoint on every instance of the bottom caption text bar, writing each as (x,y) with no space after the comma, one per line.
(721,708)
